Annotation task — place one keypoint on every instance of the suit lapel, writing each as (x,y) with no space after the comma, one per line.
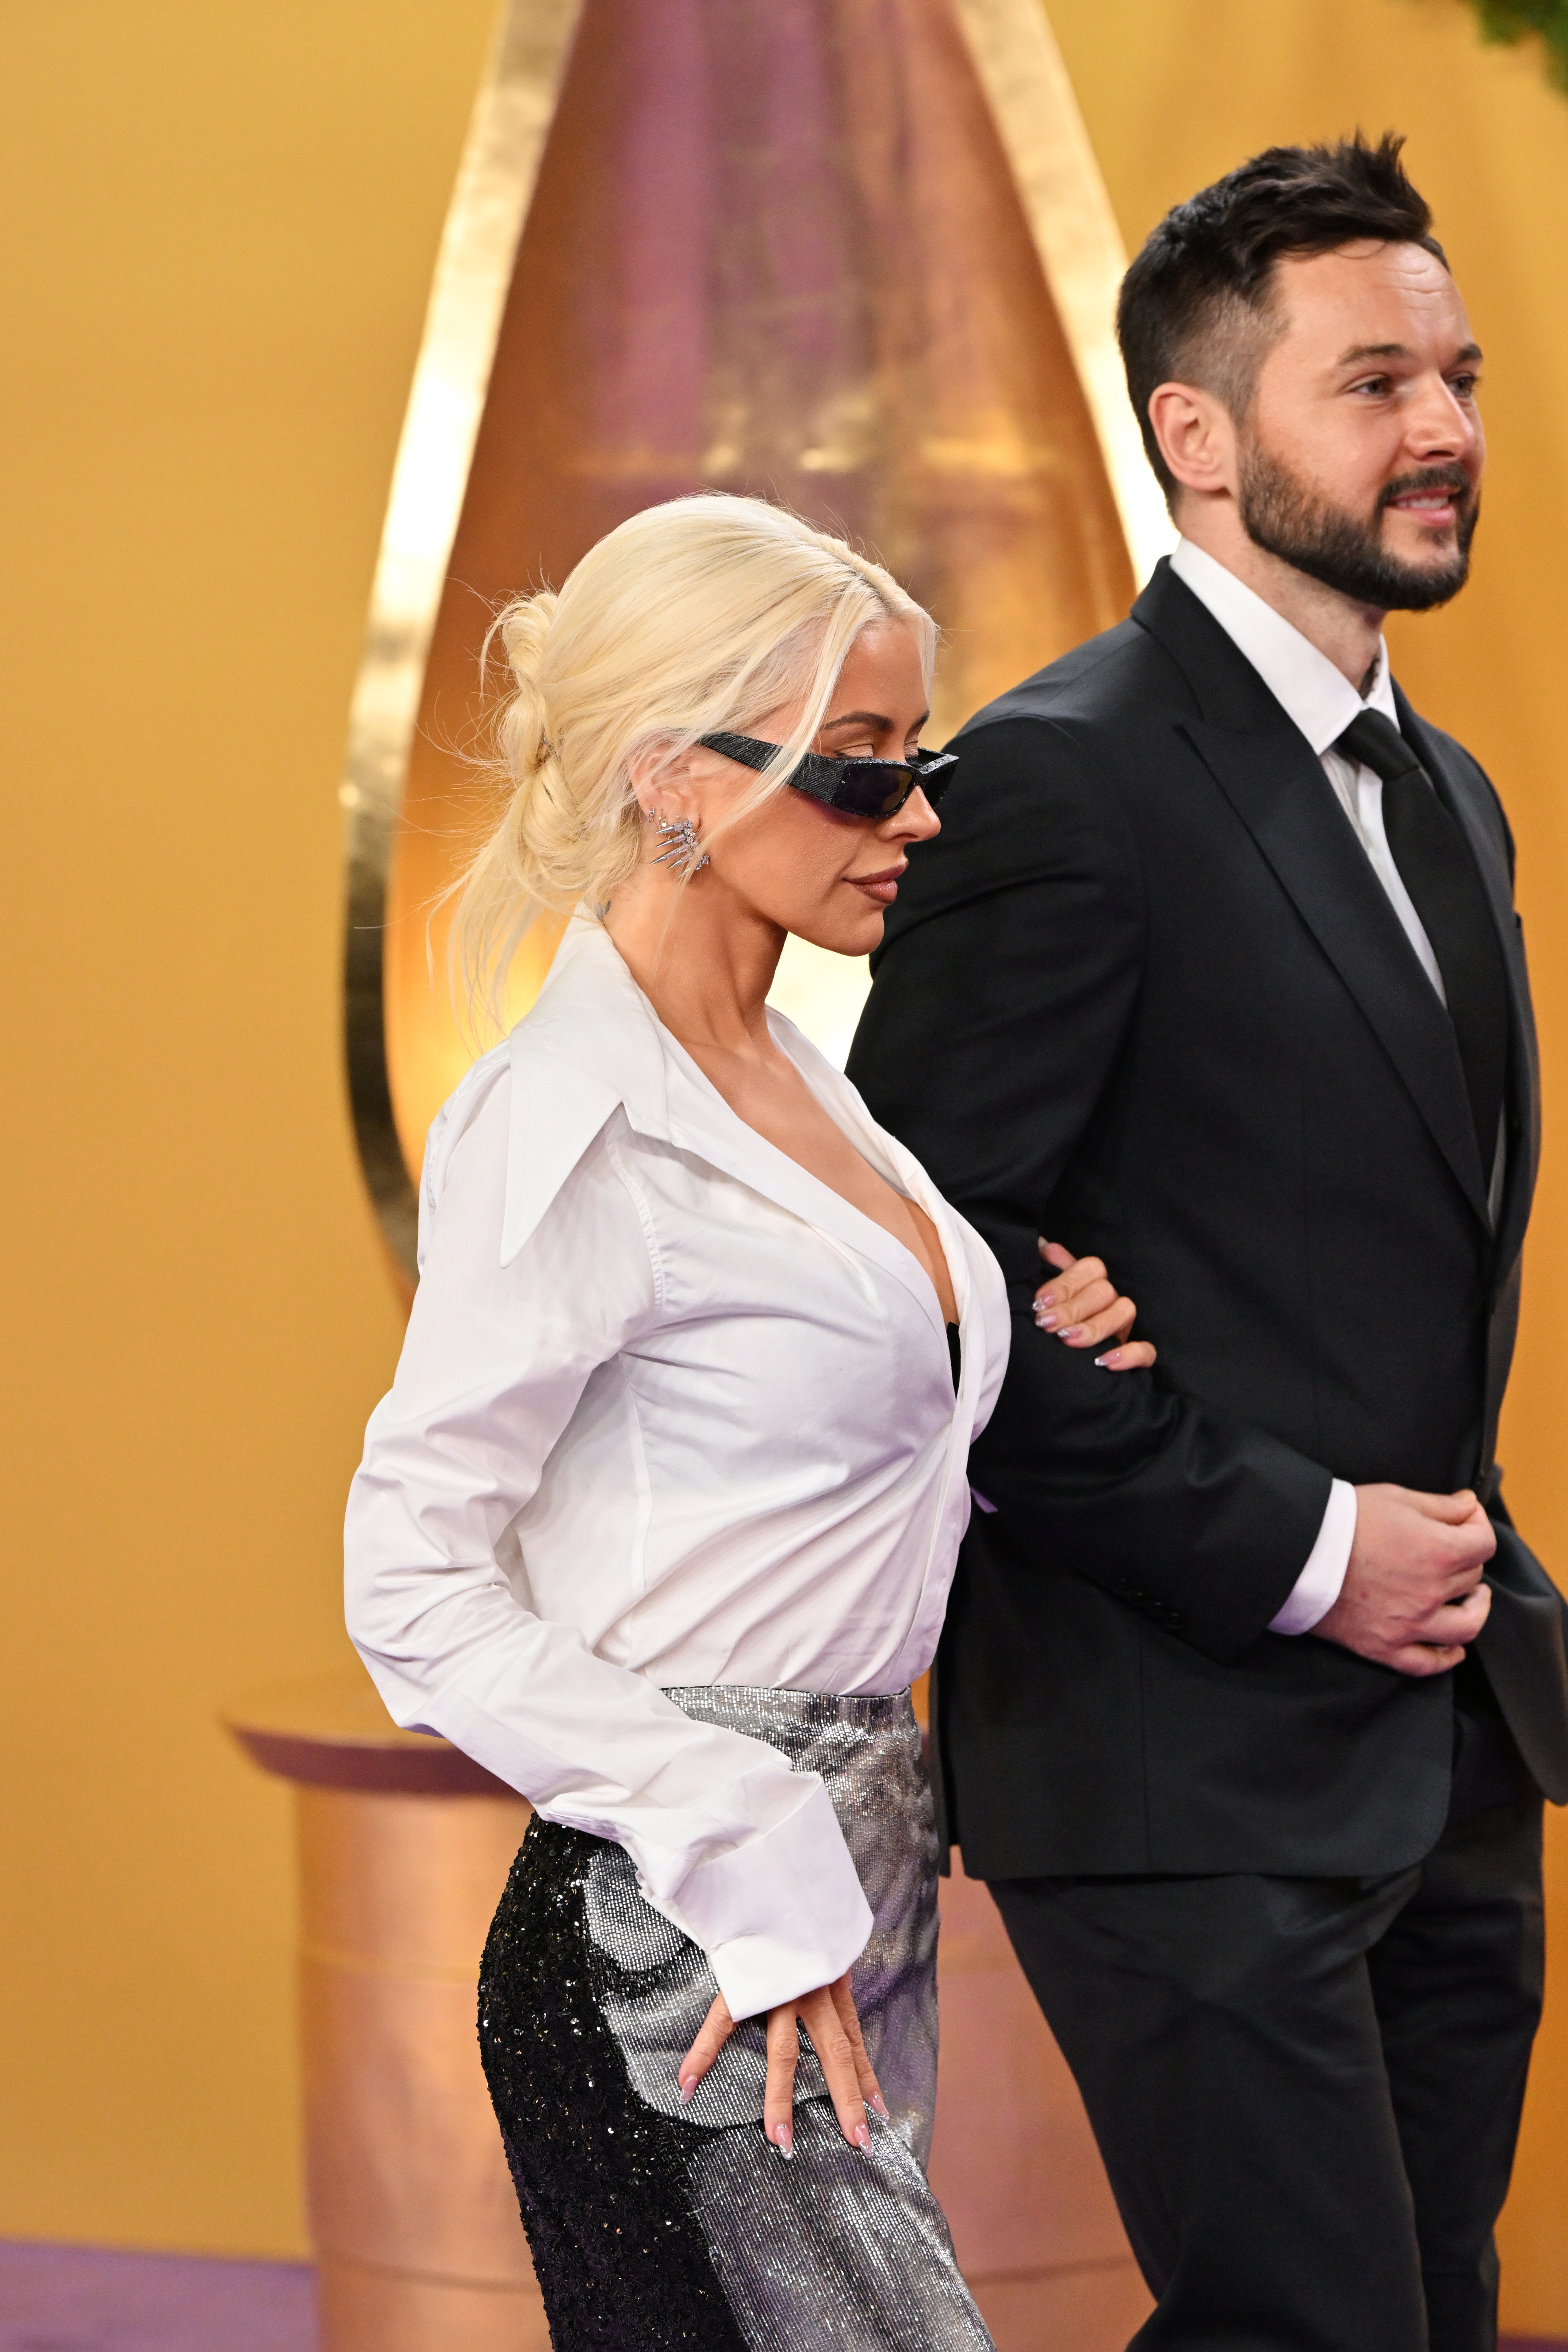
(1469,805)
(1274,782)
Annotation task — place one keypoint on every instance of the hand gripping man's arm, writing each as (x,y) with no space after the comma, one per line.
(1002,999)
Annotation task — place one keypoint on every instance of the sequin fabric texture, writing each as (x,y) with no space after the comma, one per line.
(654,2225)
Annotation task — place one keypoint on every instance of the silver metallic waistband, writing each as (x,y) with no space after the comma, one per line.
(746,1707)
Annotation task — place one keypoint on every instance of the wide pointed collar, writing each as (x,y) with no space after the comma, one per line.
(594,1044)
(589,1046)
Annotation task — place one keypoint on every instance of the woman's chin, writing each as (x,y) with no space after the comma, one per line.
(852,931)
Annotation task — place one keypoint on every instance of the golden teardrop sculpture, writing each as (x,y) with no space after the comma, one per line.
(853,255)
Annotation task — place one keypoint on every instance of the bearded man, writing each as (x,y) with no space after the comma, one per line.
(1250,1691)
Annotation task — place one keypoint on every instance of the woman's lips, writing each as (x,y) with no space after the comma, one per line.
(883,887)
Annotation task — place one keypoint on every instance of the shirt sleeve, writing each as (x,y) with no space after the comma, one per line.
(1319,1586)
(741,1854)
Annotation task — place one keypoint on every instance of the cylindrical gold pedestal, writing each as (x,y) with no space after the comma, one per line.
(405,1846)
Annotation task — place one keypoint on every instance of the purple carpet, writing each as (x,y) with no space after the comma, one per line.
(87,2299)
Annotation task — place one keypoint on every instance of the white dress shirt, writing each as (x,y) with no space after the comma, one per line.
(669,1411)
(1322,702)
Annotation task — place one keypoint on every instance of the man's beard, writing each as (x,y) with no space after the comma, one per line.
(1290,519)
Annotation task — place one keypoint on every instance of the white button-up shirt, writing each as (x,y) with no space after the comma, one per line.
(1322,702)
(669,1411)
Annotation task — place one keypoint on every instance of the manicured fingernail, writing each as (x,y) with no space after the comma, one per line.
(862,2136)
(1045,1321)
(1105,1363)
(877,2108)
(688,2085)
(1073,1331)
(783,2140)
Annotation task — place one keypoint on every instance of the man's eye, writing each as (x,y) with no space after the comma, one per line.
(1463,387)
(1376,385)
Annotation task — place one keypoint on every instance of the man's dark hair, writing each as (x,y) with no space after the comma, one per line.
(1196,305)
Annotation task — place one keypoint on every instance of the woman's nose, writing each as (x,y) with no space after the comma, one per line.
(916,821)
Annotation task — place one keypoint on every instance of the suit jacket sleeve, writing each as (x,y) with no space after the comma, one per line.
(1001,999)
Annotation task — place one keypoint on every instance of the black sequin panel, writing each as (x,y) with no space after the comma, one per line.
(602,2180)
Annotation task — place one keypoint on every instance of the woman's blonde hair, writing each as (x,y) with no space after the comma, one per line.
(691,618)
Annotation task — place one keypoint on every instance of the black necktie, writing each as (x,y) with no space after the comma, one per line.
(1446,889)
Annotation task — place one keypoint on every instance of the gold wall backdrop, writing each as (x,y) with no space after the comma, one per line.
(221,216)
(223,219)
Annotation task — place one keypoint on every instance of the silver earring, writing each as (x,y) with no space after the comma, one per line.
(679,852)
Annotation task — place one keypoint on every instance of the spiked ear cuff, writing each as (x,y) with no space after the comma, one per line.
(679,852)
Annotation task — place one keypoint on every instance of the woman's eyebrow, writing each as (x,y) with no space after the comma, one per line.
(867,718)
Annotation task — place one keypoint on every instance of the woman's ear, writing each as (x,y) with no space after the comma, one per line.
(662,784)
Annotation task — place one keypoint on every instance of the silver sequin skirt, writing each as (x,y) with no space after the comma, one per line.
(654,2225)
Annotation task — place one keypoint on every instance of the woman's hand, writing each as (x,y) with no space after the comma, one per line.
(833,2029)
(1079,1303)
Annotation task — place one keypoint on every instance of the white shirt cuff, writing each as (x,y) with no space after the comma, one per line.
(1318,1587)
(780,1915)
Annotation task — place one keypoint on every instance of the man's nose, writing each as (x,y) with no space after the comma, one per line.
(1438,426)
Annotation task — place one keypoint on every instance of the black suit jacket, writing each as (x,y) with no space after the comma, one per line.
(1146,996)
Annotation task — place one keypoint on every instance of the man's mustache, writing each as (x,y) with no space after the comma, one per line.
(1429,478)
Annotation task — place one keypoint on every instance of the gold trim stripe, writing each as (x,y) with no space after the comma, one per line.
(495,184)
(1076,234)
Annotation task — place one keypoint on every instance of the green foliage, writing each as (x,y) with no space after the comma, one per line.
(1511,20)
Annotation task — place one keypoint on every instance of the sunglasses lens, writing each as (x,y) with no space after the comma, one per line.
(873,788)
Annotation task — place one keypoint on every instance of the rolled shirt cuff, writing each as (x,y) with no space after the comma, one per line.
(1319,1586)
(743,1856)
(779,1915)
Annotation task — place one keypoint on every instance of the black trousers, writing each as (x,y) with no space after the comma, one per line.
(1306,2090)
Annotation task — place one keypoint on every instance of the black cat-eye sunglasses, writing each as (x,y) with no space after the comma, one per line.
(865,788)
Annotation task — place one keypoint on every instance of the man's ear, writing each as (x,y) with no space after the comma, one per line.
(1196,435)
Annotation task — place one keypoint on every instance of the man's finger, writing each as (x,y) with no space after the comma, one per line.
(1471,1539)
(1453,1509)
(715,2030)
(1421,1659)
(1458,1621)
(1462,1575)
(778,2095)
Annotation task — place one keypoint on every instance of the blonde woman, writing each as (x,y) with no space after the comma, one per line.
(659,1517)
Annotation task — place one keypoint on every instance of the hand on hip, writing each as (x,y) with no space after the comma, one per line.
(833,2029)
